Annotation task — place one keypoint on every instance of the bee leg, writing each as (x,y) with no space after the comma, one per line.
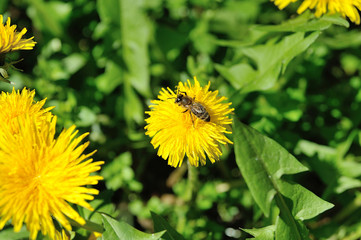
(185,111)
(191,118)
(183,93)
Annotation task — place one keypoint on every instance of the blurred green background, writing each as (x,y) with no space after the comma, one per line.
(101,62)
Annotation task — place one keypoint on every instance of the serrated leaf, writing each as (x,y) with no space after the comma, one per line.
(271,59)
(263,162)
(123,231)
(161,224)
(265,233)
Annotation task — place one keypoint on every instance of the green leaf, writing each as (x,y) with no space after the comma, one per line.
(3,6)
(118,173)
(238,75)
(9,234)
(123,231)
(129,33)
(290,229)
(133,108)
(135,32)
(266,233)
(263,163)
(303,24)
(271,59)
(349,39)
(74,62)
(161,224)
(111,79)
(109,11)
(50,16)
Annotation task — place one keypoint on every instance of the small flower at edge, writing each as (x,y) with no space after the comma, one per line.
(178,133)
(11,40)
(347,8)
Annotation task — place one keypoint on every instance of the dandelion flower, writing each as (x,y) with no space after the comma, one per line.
(40,176)
(15,104)
(347,8)
(178,133)
(11,40)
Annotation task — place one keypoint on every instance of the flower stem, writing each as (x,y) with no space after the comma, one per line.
(193,185)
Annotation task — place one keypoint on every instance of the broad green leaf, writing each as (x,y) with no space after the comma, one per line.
(50,16)
(135,33)
(123,231)
(133,108)
(289,229)
(238,75)
(263,162)
(9,234)
(265,233)
(161,224)
(131,30)
(271,59)
(109,11)
(303,24)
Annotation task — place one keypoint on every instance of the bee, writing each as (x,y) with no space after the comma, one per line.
(192,106)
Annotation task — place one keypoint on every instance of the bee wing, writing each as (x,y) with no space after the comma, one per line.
(198,109)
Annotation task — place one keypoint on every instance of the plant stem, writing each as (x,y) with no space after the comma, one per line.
(193,185)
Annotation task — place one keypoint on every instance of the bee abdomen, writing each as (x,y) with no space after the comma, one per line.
(200,112)
(205,117)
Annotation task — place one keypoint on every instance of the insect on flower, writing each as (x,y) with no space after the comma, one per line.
(179,135)
(192,106)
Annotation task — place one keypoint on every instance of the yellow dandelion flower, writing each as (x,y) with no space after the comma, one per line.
(347,8)
(11,40)
(40,176)
(15,104)
(61,235)
(178,133)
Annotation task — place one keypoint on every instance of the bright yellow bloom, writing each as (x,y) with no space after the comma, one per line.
(40,176)
(11,40)
(347,8)
(15,104)
(61,236)
(177,135)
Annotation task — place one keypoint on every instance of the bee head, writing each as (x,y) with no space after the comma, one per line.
(179,98)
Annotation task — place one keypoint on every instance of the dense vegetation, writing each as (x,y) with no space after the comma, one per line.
(295,79)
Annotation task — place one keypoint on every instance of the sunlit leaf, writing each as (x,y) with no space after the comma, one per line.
(161,224)
(122,230)
(263,164)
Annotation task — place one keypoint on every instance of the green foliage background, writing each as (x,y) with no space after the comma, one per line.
(295,79)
